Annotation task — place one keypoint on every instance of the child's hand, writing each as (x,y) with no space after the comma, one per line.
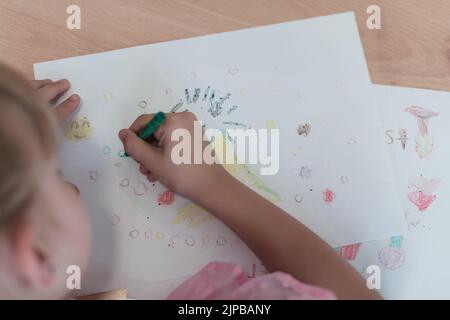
(50,91)
(191,180)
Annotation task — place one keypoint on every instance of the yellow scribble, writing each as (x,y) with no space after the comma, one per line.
(424,145)
(243,92)
(296,152)
(193,215)
(78,129)
(273,86)
(242,172)
(108,95)
(271,124)
(168,73)
(325,164)
(159,235)
(323,122)
(137,205)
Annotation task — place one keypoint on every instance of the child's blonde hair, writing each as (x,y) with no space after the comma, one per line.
(20,105)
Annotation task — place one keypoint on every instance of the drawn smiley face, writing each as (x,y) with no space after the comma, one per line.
(78,129)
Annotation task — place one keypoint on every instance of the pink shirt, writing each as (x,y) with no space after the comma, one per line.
(222,280)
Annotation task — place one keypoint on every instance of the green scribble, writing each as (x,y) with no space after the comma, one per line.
(396,242)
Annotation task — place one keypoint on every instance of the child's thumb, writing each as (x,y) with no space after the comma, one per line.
(141,151)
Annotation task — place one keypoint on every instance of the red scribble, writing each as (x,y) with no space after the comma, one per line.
(328,196)
(421,199)
(350,252)
(167,197)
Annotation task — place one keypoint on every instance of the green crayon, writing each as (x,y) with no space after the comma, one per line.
(151,127)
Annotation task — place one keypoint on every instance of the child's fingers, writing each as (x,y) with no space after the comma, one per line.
(141,151)
(37,84)
(142,121)
(52,90)
(143,170)
(148,174)
(65,109)
(151,178)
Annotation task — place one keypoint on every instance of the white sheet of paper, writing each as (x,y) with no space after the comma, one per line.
(416,265)
(117,86)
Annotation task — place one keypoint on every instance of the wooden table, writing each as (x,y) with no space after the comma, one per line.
(411,49)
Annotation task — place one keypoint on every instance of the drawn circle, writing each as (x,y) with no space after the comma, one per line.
(233,71)
(168,91)
(221,241)
(205,239)
(344,179)
(117,164)
(325,164)
(125,183)
(175,238)
(93,175)
(190,241)
(298,198)
(142,104)
(79,129)
(106,150)
(140,189)
(107,95)
(391,258)
(148,234)
(134,233)
(305,172)
(351,141)
(115,220)
(243,92)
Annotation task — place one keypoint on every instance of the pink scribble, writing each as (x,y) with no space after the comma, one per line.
(422,115)
(421,200)
(350,252)
(424,142)
(328,196)
(391,258)
(423,196)
(428,186)
(167,197)
(412,220)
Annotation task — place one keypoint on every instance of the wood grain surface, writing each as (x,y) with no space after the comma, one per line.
(411,49)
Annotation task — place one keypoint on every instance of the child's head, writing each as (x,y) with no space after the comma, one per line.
(43,225)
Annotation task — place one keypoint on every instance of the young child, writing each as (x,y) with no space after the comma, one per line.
(44,226)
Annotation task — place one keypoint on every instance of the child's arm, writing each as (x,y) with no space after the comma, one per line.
(280,241)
